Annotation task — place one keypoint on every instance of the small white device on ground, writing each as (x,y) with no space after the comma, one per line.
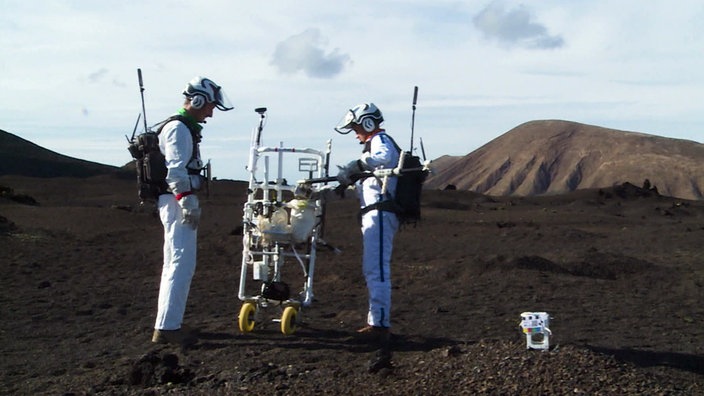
(535,326)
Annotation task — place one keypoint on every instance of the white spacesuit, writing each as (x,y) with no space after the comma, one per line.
(378,230)
(180,235)
(378,225)
(179,209)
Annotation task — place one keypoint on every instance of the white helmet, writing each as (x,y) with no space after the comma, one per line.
(202,90)
(366,114)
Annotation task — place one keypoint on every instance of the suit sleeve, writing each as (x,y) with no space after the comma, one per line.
(177,146)
(382,153)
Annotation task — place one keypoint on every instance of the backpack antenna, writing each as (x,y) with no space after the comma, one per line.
(136,124)
(262,114)
(413,116)
(141,92)
(422,149)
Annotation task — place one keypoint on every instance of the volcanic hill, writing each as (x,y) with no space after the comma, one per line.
(21,157)
(555,157)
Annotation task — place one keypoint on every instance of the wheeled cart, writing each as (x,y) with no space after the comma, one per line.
(282,224)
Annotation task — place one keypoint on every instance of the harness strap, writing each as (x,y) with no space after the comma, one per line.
(195,135)
(388,206)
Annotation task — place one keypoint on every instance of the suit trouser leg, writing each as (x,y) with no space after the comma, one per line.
(179,265)
(378,231)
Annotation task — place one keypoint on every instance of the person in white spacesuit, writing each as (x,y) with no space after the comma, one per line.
(379,223)
(179,209)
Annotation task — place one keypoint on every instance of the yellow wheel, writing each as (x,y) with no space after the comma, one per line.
(246,319)
(288,320)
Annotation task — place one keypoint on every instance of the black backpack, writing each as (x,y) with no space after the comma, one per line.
(150,162)
(409,188)
(410,181)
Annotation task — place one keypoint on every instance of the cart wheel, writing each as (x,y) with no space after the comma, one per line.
(246,319)
(288,320)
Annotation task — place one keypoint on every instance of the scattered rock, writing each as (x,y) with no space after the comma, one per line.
(6,226)
(153,369)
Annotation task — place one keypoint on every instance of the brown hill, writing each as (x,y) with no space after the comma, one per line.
(555,157)
(23,158)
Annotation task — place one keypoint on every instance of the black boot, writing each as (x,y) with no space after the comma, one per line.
(382,357)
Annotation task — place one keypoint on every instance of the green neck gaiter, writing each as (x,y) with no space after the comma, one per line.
(192,123)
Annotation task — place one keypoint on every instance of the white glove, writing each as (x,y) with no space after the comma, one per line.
(190,210)
(345,173)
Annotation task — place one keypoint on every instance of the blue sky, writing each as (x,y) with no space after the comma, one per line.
(68,70)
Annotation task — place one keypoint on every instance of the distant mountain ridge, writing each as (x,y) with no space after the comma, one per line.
(556,156)
(23,158)
(534,158)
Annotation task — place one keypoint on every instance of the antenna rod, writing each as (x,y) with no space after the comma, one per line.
(261,111)
(136,124)
(422,149)
(141,92)
(413,116)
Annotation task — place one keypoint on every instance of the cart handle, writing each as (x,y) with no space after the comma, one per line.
(393,172)
(354,178)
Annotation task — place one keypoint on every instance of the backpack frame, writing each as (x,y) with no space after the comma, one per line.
(151,163)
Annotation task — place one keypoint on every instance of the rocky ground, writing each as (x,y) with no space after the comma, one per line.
(619,271)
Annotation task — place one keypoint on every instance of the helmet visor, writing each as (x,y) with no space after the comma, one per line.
(344,126)
(222,102)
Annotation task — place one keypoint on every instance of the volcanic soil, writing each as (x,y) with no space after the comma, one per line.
(619,270)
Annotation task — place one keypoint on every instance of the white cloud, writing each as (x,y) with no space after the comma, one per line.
(305,52)
(97,76)
(514,27)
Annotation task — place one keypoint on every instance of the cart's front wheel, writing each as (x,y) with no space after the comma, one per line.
(246,319)
(288,320)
